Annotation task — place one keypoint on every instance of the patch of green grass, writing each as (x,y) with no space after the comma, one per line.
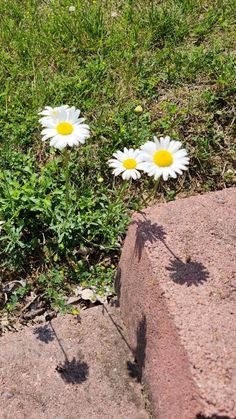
(176,58)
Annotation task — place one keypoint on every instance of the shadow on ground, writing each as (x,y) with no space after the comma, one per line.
(146,232)
(72,372)
(136,368)
(117,285)
(44,333)
(190,272)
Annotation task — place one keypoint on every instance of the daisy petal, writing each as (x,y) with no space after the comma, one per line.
(63,126)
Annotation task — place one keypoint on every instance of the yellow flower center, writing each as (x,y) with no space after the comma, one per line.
(64,128)
(163,158)
(130,163)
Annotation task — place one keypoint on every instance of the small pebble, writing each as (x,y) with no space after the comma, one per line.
(7,395)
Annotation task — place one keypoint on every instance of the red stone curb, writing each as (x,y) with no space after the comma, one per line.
(176,284)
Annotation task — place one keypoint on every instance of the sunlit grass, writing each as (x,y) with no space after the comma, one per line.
(174,58)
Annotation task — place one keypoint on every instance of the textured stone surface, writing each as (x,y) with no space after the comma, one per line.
(177,287)
(69,370)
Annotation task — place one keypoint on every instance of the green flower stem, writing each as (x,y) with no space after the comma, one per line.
(137,126)
(153,191)
(128,189)
(124,192)
(67,176)
(156,184)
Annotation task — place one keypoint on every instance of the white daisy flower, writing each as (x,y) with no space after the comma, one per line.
(126,162)
(64,127)
(163,157)
(49,112)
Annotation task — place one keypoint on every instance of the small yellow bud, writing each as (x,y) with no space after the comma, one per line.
(100,180)
(138,110)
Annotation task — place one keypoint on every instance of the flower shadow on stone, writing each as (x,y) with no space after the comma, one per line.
(73,372)
(117,285)
(146,232)
(190,273)
(135,369)
(44,333)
